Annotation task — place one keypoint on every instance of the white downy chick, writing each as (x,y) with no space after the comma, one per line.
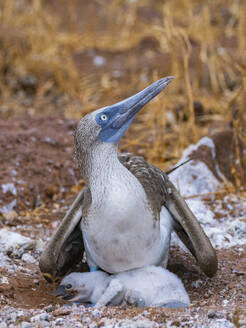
(148,286)
(83,287)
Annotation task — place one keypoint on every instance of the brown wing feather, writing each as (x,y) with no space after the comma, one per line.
(65,249)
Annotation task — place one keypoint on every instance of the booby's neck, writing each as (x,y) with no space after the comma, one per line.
(102,166)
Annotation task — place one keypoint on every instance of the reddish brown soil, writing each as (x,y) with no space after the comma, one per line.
(37,156)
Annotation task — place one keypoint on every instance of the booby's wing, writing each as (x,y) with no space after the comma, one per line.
(160,191)
(66,247)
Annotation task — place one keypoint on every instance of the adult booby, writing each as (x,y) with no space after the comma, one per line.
(128,208)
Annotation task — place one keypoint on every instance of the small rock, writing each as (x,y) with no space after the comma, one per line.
(78,324)
(41,317)
(44,317)
(98,61)
(96,313)
(3,325)
(242,323)
(28,83)
(198,108)
(11,318)
(19,314)
(49,308)
(26,324)
(211,314)
(4,280)
(59,321)
(11,218)
(28,258)
(62,311)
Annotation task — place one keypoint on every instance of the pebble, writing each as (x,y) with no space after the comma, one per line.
(28,83)
(4,280)
(211,314)
(11,218)
(3,325)
(28,258)
(26,324)
(41,317)
(96,313)
(44,316)
(59,321)
(19,314)
(49,308)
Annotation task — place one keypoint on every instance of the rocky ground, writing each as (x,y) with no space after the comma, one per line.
(38,181)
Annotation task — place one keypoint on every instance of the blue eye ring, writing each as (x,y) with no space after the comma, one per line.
(68,286)
(102,118)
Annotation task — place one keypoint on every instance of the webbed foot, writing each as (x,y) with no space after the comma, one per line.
(92,269)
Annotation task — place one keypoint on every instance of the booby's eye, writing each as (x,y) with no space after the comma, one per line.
(68,286)
(103,117)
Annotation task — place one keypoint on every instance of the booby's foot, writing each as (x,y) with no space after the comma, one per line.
(91,305)
(92,269)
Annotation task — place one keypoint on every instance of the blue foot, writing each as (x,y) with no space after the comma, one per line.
(91,305)
(92,269)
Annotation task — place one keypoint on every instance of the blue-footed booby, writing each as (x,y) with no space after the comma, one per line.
(124,216)
(148,286)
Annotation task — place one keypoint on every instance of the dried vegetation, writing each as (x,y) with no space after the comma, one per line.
(69,57)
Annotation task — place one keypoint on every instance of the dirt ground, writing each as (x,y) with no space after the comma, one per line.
(38,159)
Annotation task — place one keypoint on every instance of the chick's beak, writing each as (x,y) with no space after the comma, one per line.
(60,291)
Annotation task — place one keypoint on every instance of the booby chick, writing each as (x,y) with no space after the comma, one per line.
(124,216)
(148,286)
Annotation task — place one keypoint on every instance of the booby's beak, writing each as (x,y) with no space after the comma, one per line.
(114,120)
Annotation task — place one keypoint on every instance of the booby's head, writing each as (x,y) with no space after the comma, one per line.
(80,287)
(109,124)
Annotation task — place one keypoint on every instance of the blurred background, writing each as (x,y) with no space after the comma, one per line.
(66,58)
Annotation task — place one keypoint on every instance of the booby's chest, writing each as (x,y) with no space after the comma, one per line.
(121,203)
(120,229)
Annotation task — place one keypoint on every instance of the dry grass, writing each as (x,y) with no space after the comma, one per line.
(201,43)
